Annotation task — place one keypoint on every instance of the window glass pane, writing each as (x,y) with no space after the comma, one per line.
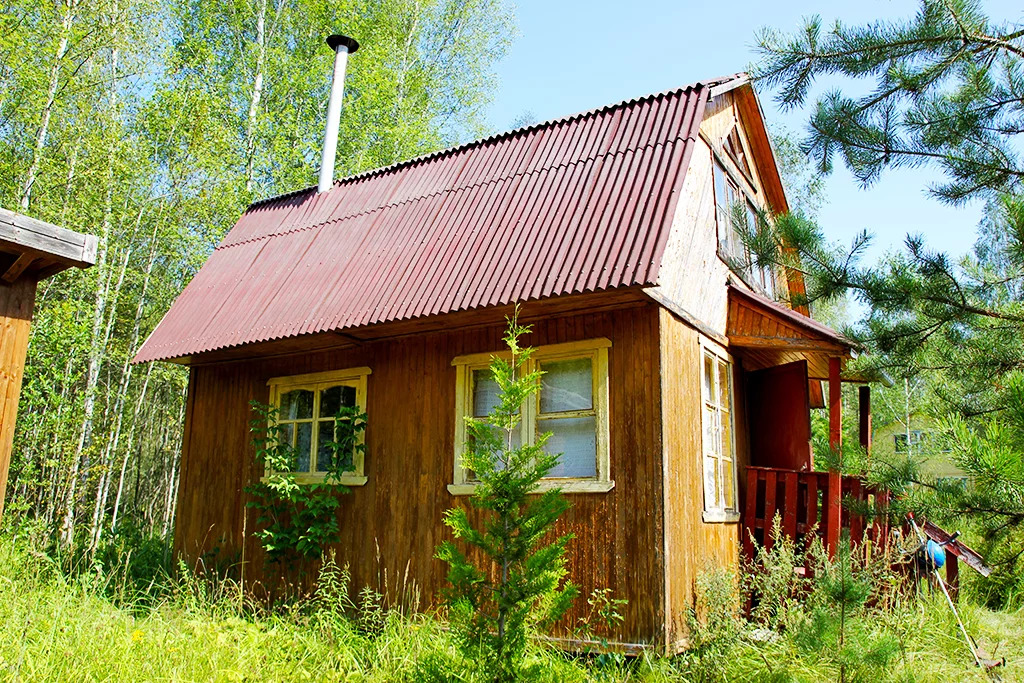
(709,375)
(721,197)
(297,405)
(503,437)
(324,452)
(710,437)
(332,399)
(725,430)
(576,439)
(566,385)
(723,385)
(727,485)
(710,480)
(303,443)
(287,434)
(486,393)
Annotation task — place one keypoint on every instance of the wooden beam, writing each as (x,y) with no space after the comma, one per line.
(786,344)
(23,233)
(864,417)
(18,267)
(673,307)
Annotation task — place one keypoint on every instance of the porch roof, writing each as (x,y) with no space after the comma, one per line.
(765,333)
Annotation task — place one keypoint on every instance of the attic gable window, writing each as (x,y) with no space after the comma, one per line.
(734,148)
(306,408)
(572,404)
(734,210)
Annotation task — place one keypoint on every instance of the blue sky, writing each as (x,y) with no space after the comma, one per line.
(572,55)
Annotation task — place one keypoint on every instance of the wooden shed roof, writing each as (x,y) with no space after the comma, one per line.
(767,333)
(578,204)
(34,248)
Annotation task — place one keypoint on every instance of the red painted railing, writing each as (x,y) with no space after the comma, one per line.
(824,503)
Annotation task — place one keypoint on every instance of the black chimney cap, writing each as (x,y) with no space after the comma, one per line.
(337,39)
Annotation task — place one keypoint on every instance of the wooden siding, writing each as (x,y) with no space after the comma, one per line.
(691,545)
(391,526)
(16,302)
(692,275)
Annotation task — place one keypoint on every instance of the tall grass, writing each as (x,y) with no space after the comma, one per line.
(64,619)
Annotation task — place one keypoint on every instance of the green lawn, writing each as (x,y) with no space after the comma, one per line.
(55,628)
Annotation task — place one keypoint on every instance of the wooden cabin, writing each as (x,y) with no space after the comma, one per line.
(671,367)
(30,251)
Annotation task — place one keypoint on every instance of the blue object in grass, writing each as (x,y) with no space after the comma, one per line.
(936,553)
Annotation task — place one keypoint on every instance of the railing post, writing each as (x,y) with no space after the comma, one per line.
(769,507)
(750,514)
(864,415)
(835,441)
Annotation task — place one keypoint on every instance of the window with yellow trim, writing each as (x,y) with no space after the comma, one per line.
(719,444)
(572,405)
(306,407)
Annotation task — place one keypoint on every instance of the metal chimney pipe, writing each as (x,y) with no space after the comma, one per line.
(343,46)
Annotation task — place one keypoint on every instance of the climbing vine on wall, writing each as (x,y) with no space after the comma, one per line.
(297,521)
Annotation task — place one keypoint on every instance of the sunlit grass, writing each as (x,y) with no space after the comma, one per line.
(87,627)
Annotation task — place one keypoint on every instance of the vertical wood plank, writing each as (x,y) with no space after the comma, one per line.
(770,483)
(812,500)
(856,518)
(864,418)
(750,513)
(833,510)
(619,535)
(16,303)
(789,480)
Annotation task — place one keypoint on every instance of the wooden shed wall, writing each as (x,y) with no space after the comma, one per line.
(691,545)
(16,302)
(693,275)
(391,526)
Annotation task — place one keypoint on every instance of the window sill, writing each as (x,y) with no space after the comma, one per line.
(346,480)
(721,517)
(567,486)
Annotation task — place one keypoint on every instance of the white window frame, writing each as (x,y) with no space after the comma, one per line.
(716,511)
(316,382)
(597,351)
(737,254)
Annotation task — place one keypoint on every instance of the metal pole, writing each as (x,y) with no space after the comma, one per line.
(343,46)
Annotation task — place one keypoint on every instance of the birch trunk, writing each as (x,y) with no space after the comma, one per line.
(97,347)
(99,513)
(129,449)
(51,94)
(257,93)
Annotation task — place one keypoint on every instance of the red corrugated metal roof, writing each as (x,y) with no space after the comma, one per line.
(578,204)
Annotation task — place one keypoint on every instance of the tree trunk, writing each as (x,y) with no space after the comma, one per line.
(51,94)
(97,346)
(257,93)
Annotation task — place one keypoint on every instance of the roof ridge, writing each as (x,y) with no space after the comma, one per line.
(709,83)
(448,190)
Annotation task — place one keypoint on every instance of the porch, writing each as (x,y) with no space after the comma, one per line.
(792,363)
(822,503)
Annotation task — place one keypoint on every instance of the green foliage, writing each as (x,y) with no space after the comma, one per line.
(299,520)
(152,124)
(493,616)
(947,91)
(713,624)
(60,626)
